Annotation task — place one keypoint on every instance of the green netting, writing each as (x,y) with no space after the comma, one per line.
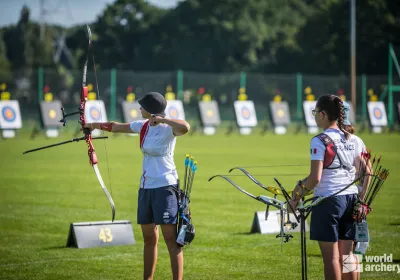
(260,88)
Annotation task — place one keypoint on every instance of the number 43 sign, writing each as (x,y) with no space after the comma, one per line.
(99,234)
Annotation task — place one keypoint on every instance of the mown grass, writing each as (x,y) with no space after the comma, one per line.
(44,192)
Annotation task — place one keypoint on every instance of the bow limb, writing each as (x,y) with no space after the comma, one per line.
(235,185)
(103,186)
(264,199)
(270,189)
(87,132)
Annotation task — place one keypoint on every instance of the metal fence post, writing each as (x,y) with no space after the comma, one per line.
(179,84)
(299,90)
(40,84)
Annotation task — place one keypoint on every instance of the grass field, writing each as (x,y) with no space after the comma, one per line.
(43,192)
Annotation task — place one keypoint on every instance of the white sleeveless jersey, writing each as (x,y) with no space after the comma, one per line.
(343,172)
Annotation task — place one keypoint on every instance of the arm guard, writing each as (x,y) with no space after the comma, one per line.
(106,126)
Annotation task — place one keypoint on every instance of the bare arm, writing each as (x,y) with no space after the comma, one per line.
(179,127)
(365,168)
(114,127)
(308,184)
(315,174)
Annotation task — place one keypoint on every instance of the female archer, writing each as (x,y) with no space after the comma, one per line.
(335,153)
(157,197)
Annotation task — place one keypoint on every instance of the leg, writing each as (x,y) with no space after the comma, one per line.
(330,255)
(346,248)
(175,252)
(150,238)
(346,244)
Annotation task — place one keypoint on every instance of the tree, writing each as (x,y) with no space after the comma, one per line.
(5,66)
(120,29)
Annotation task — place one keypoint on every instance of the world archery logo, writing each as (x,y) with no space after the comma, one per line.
(246,113)
(352,263)
(378,113)
(173,112)
(94,113)
(8,114)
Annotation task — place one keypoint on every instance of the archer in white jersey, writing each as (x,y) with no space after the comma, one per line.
(334,156)
(157,196)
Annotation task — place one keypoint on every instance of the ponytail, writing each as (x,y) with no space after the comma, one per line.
(341,117)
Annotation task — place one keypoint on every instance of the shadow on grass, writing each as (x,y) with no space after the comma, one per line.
(58,247)
(245,233)
(394,224)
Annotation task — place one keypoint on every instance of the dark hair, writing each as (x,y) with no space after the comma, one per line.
(332,105)
(349,128)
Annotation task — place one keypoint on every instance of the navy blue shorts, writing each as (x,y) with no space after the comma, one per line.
(158,206)
(332,219)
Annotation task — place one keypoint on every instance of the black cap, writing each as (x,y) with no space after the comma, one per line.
(154,103)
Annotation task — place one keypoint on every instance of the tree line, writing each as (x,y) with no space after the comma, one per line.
(276,36)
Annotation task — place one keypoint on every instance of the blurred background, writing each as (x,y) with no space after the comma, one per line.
(190,47)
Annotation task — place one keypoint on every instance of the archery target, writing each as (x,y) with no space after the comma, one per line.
(95,111)
(209,113)
(131,111)
(175,110)
(245,113)
(280,113)
(308,106)
(10,115)
(51,113)
(377,113)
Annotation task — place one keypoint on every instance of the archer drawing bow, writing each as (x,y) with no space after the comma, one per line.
(87,137)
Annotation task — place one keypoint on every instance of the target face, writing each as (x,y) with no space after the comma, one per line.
(95,111)
(10,116)
(52,114)
(279,113)
(175,110)
(134,113)
(377,113)
(245,113)
(131,111)
(308,106)
(209,113)
(8,113)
